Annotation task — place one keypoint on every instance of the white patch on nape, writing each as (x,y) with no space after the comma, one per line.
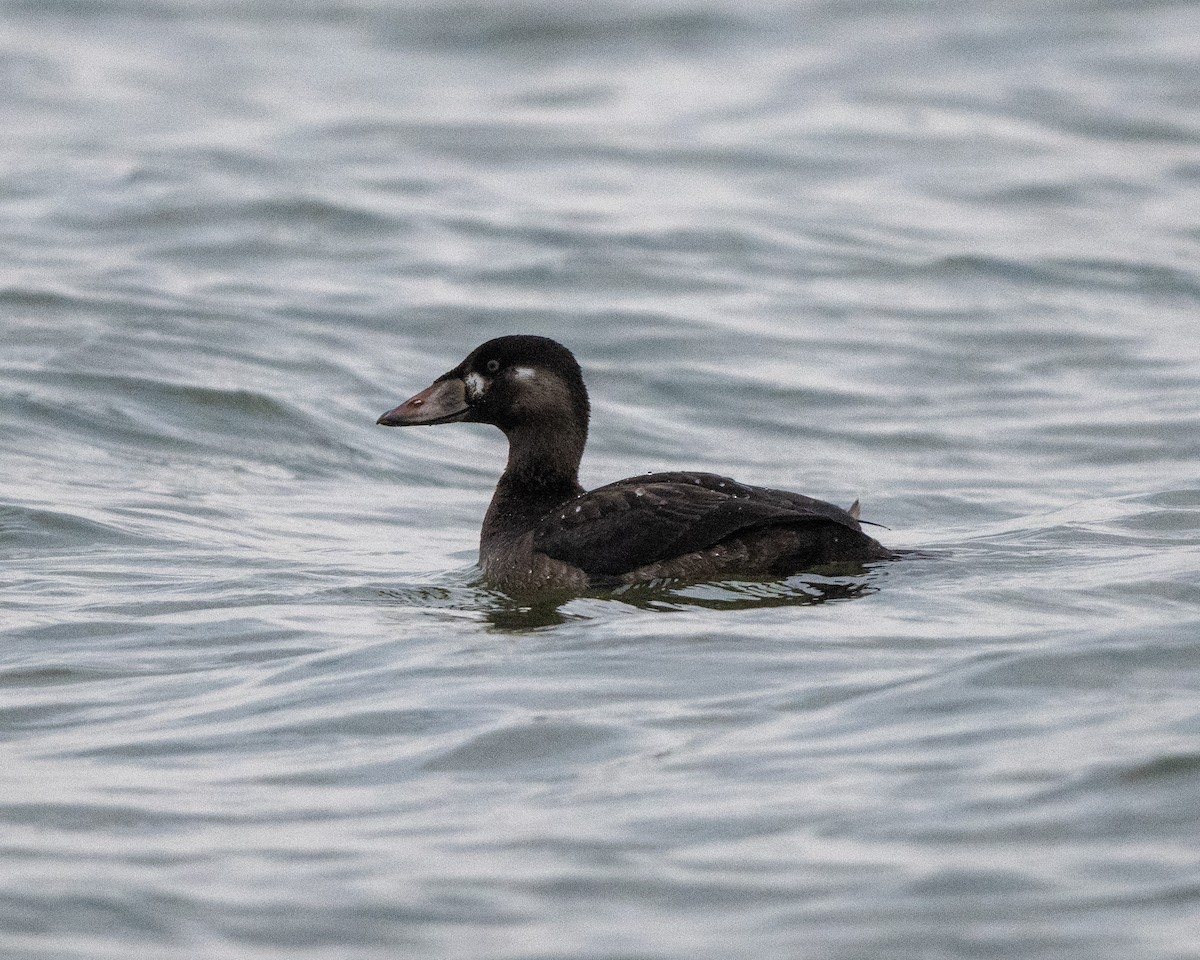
(476,385)
(524,373)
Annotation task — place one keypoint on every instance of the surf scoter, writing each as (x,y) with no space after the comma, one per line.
(543,530)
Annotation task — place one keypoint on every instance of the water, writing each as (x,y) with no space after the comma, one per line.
(254,700)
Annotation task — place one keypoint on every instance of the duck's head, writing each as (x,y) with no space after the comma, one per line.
(512,382)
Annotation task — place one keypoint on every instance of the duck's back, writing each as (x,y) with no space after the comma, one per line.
(698,526)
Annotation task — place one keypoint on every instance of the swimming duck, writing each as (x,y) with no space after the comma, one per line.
(543,529)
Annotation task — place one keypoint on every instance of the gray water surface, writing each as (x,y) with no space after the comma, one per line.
(255,701)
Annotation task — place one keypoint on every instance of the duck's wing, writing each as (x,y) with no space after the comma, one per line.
(644,520)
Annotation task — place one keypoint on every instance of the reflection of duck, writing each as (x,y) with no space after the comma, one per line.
(543,530)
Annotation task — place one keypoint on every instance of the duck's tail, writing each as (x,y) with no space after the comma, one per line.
(854,510)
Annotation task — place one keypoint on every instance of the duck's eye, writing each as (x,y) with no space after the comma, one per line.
(493,366)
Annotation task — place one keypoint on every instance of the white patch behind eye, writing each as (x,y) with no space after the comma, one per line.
(476,385)
(524,373)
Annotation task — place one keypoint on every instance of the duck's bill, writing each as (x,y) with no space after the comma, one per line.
(444,402)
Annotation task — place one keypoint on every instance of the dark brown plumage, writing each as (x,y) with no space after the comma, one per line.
(543,530)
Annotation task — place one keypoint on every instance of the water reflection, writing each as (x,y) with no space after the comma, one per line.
(517,613)
(530,610)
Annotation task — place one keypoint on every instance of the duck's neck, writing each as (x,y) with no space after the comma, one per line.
(542,473)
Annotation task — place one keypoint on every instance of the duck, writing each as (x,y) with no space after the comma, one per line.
(543,530)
